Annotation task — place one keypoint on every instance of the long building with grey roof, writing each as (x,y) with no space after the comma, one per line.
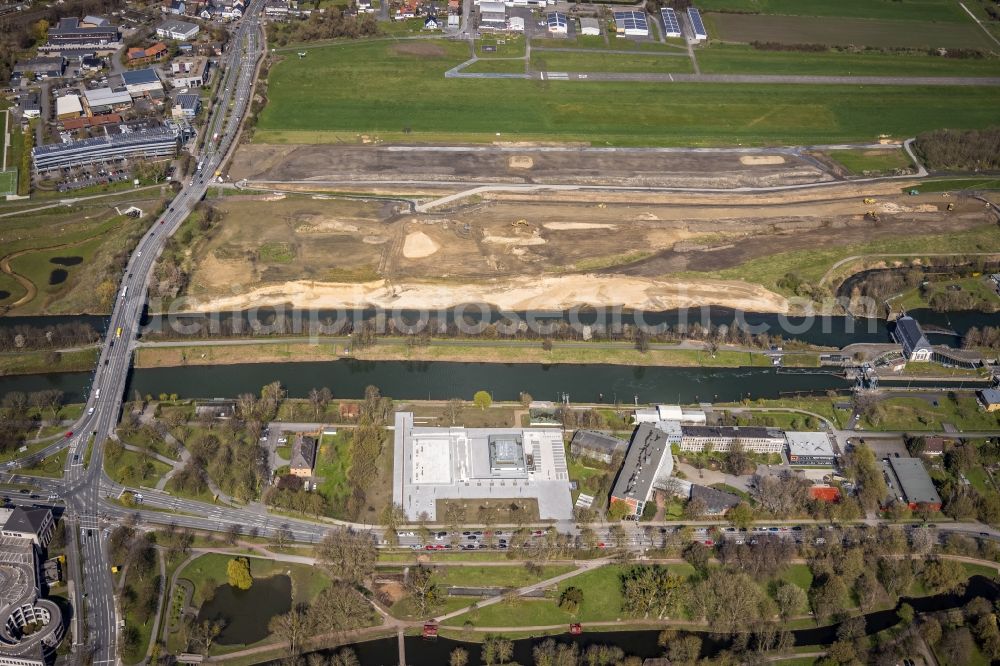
(649,460)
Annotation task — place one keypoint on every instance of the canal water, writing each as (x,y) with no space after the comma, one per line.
(644,644)
(440,380)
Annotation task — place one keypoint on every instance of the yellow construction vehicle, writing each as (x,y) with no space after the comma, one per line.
(869,200)
(519,224)
(873,216)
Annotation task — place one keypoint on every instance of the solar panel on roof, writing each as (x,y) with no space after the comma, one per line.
(696,22)
(671,26)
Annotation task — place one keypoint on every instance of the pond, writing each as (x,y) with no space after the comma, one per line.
(66,261)
(245,614)
(58,276)
(4,294)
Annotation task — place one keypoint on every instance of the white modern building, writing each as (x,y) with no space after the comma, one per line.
(721,438)
(590,26)
(434,464)
(814,449)
(178,30)
(631,24)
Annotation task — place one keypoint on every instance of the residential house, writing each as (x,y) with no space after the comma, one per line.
(91,63)
(431,23)
(31,106)
(717,502)
(350,410)
(989,399)
(137,56)
(303,456)
(175,7)
(596,445)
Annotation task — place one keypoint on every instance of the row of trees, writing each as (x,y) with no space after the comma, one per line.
(70,334)
(366,449)
(135,551)
(331,23)
(964,150)
(988,336)
(23,412)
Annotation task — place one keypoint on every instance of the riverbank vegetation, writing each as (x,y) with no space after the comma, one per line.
(37,361)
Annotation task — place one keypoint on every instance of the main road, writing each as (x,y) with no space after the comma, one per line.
(84,489)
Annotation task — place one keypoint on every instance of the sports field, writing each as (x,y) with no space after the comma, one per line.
(383,88)
(8,182)
(847,30)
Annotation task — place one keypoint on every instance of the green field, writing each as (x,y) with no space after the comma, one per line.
(919,414)
(913,10)
(8,182)
(380,88)
(332,461)
(496,66)
(495,576)
(894,32)
(858,161)
(556,61)
(739,59)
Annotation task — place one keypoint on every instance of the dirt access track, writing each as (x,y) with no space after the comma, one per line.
(541,165)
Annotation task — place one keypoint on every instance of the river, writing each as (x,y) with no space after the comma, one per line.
(644,644)
(441,380)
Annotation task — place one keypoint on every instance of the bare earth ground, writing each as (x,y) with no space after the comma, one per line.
(541,252)
(575,165)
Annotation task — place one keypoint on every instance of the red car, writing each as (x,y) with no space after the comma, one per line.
(69,433)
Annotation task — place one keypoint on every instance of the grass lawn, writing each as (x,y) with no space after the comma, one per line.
(919,414)
(859,161)
(555,61)
(307,581)
(51,467)
(496,67)
(331,466)
(798,574)
(405,609)
(978,289)
(979,479)
(511,46)
(896,31)
(27,362)
(979,570)
(382,88)
(821,405)
(8,182)
(957,184)
(131,468)
(741,59)
(916,10)
(811,265)
(495,576)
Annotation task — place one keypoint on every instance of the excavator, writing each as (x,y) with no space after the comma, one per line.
(873,216)
(869,201)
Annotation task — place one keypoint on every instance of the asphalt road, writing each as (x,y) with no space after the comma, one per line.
(84,491)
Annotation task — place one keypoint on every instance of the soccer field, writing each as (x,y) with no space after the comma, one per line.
(8,182)
(398,92)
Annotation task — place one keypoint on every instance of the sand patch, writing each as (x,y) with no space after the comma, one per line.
(572,226)
(509,240)
(326,225)
(890,207)
(419,245)
(761,160)
(420,49)
(527,293)
(520,162)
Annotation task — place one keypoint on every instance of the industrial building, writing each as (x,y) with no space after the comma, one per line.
(631,24)
(649,461)
(492,16)
(118,143)
(810,448)
(433,464)
(671,26)
(107,100)
(915,345)
(670,413)
(42,67)
(590,26)
(909,482)
(142,82)
(187,106)
(70,33)
(721,438)
(68,106)
(556,23)
(697,25)
(596,445)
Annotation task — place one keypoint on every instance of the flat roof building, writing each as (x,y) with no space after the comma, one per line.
(141,82)
(107,100)
(556,22)
(590,26)
(810,448)
(177,30)
(68,106)
(493,16)
(671,26)
(187,105)
(754,439)
(70,31)
(697,25)
(909,482)
(43,67)
(915,345)
(118,143)
(434,464)
(648,461)
(596,445)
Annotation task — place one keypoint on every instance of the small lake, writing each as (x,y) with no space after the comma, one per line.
(66,261)
(58,276)
(245,614)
